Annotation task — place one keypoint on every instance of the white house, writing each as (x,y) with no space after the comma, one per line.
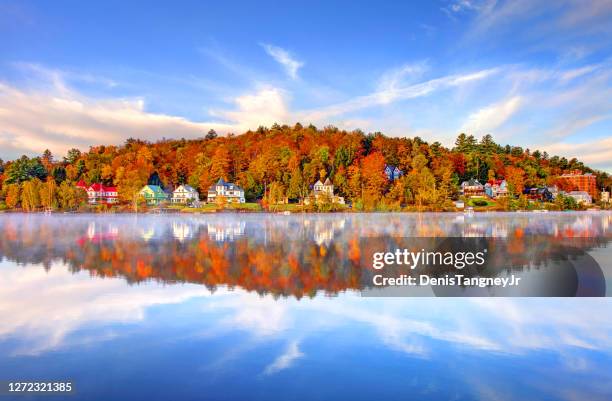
(99,193)
(185,194)
(581,197)
(324,191)
(231,192)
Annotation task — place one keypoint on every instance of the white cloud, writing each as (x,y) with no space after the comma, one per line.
(32,120)
(489,118)
(597,153)
(577,72)
(285,360)
(394,79)
(282,56)
(72,302)
(395,93)
(265,107)
(54,116)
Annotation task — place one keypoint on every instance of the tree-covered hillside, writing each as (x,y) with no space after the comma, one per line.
(284,162)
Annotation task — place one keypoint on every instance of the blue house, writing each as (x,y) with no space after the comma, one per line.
(393,172)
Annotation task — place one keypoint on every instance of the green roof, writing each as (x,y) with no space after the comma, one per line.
(155,189)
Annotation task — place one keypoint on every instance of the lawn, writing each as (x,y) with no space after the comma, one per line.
(213,207)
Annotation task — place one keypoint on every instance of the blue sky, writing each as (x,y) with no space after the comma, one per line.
(534,74)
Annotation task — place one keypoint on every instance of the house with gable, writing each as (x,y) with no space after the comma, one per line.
(393,172)
(229,191)
(98,193)
(153,195)
(472,187)
(496,189)
(324,191)
(185,194)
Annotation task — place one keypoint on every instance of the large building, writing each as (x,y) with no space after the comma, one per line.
(99,193)
(575,180)
(231,192)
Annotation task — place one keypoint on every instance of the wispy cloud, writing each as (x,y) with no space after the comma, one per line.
(487,119)
(395,93)
(284,58)
(285,360)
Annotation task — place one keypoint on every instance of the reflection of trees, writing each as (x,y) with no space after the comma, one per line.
(270,254)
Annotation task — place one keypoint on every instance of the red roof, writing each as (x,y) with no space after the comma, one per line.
(97,187)
(81,184)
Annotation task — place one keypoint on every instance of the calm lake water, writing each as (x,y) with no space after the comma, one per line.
(269,307)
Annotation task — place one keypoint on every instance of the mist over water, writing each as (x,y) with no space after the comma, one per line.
(259,306)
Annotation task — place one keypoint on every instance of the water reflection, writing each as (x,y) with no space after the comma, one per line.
(227,339)
(296,255)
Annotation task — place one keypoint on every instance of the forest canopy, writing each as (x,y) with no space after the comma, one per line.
(284,162)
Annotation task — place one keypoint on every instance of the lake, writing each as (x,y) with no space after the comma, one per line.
(274,307)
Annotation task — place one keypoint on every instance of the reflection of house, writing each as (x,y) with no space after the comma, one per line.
(393,172)
(226,231)
(496,188)
(472,188)
(232,193)
(147,233)
(98,193)
(325,230)
(581,197)
(185,194)
(153,195)
(181,231)
(323,192)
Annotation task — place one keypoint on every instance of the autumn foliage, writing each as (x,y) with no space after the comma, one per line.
(282,162)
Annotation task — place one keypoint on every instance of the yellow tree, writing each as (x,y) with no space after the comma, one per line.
(422,182)
(13,195)
(30,195)
(48,194)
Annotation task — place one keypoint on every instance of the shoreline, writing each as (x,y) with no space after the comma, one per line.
(287,213)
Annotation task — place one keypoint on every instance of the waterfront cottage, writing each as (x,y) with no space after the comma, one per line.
(471,188)
(496,189)
(185,194)
(153,195)
(324,192)
(231,192)
(99,193)
(581,197)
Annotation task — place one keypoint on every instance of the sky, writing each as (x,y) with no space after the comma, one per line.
(532,74)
